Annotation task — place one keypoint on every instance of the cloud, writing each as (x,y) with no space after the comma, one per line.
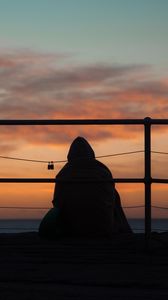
(38,85)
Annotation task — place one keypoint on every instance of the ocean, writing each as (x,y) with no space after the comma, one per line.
(27,225)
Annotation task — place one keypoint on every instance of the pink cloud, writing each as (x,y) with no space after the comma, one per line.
(37,85)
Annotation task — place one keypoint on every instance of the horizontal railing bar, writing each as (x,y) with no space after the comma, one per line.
(46,180)
(157,180)
(27,180)
(86,122)
(159,121)
(53,180)
(36,229)
(73,122)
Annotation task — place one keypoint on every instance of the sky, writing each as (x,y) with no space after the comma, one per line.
(82,59)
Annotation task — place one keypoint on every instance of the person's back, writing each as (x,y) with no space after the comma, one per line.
(86,200)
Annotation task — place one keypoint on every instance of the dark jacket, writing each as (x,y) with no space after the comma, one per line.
(85,193)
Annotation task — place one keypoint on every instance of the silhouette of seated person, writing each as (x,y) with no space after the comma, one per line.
(85,201)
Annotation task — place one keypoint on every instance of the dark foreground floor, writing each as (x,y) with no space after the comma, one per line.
(32,268)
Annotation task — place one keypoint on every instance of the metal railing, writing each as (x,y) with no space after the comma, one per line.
(147,180)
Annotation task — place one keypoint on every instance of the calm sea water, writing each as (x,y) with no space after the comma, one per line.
(26,225)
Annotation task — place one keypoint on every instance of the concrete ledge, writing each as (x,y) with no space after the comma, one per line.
(83,268)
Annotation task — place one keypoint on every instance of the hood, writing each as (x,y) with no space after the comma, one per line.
(80,149)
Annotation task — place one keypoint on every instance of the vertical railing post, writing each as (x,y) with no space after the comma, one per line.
(147,142)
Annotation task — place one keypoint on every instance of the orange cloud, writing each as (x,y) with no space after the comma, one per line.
(37,85)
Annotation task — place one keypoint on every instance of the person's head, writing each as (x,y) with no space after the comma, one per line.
(80,149)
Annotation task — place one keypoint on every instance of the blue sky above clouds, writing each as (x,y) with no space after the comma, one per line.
(120,31)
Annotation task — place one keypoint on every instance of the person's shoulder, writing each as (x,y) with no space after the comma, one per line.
(103,168)
(63,171)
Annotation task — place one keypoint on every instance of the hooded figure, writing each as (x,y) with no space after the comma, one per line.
(86,197)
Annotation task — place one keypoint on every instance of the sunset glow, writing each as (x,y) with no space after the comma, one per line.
(77,60)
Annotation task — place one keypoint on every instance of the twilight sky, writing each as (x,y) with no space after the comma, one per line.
(82,59)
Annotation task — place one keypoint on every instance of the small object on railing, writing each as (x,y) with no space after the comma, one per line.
(50,165)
